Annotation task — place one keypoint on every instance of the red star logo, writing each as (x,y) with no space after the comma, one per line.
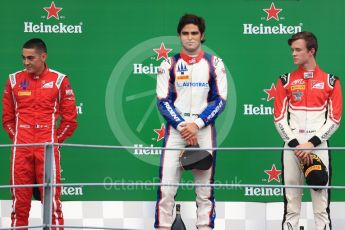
(160,132)
(162,52)
(53,11)
(273,174)
(272,12)
(271,93)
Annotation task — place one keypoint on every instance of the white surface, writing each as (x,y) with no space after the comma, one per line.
(140,215)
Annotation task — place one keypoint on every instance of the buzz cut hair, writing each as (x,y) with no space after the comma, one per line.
(37,44)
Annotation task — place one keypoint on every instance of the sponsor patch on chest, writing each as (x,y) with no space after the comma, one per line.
(192,84)
(297,95)
(298,82)
(297,87)
(24,93)
(47,85)
(182,77)
(181,68)
(308,75)
(318,85)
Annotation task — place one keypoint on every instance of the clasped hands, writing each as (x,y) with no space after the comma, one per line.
(189,132)
(304,155)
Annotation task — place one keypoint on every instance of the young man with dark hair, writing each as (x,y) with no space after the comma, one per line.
(307,111)
(33,100)
(191,93)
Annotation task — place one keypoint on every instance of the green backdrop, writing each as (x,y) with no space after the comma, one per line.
(107,50)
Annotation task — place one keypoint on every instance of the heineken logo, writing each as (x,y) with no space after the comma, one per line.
(60,28)
(273,174)
(162,52)
(80,108)
(267,29)
(70,191)
(272,14)
(53,12)
(271,92)
(257,110)
(261,110)
(160,132)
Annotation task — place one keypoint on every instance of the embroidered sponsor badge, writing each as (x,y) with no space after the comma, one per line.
(182,68)
(308,75)
(298,82)
(48,85)
(297,95)
(182,77)
(24,93)
(298,87)
(318,85)
(24,84)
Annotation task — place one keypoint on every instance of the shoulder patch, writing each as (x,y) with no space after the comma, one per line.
(284,78)
(332,79)
(12,80)
(216,61)
(59,80)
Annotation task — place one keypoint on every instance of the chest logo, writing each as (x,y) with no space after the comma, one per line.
(24,84)
(182,77)
(48,85)
(297,87)
(192,84)
(24,93)
(308,75)
(298,82)
(318,85)
(182,68)
(297,95)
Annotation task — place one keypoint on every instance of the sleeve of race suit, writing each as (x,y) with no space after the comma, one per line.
(68,111)
(166,94)
(281,103)
(217,96)
(8,111)
(334,111)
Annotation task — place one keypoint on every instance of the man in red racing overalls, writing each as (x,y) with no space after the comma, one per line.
(33,100)
(307,111)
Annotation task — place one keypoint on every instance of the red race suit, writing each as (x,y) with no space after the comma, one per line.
(32,105)
(307,108)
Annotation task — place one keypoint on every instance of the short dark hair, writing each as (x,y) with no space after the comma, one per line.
(191,19)
(308,37)
(36,43)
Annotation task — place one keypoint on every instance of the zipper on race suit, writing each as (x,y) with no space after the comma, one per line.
(306,105)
